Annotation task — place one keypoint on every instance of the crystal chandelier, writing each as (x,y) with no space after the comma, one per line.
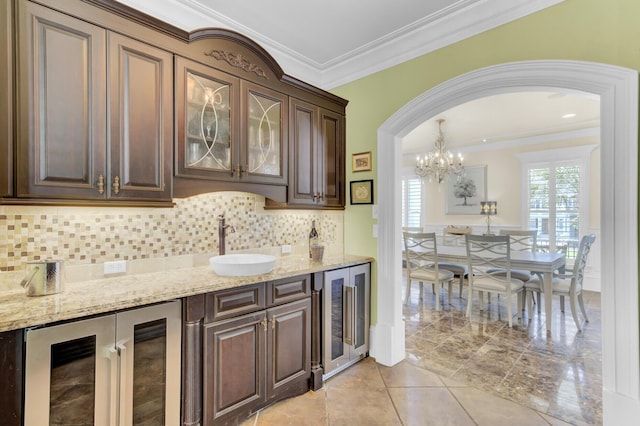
(440,163)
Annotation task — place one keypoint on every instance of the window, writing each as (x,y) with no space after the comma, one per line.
(412,208)
(555,197)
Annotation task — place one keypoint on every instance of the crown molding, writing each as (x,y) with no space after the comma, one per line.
(474,18)
(463,19)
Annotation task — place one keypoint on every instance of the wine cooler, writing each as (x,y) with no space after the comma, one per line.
(346,300)
(118,369)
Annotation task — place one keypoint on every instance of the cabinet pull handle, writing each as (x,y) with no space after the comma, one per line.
(116,185)
(264,323)
(354,325)
(100,184)
(122,407)
(321,196)
(234,169)
(315,195)
(348,338)
(273,322)
(113,390)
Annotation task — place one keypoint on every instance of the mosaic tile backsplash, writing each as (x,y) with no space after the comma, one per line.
(85,235)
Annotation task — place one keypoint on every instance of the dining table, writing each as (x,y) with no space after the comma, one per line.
(544,263)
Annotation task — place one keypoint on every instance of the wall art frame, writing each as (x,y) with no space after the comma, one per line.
(361,191)
(361,162)
(463,196)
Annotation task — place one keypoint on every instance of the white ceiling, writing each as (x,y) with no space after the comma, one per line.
(523,118)
(332,42)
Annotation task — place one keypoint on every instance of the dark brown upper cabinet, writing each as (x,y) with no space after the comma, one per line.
(316,156)
(89,115)
(207,112)
(94,112)
(6,98)
(264,133)
(140,139)
(228,129)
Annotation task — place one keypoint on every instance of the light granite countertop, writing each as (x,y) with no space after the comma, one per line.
(84,298)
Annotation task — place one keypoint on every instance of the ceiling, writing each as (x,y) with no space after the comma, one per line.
(334,42)
(493,122)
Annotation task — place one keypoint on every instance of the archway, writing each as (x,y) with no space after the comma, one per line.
(618,91)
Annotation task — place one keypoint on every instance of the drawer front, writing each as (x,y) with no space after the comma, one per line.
(236,301)
(288,289)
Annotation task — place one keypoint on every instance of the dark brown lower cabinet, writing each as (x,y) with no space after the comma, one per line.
(255,359)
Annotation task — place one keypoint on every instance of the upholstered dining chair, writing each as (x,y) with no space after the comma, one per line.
(489,258)
(451,235)
(421,255)
(521,241)
(569,285)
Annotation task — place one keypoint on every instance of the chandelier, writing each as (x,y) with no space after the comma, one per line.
(438,164)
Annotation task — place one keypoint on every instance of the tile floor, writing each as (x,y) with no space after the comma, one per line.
(460,371)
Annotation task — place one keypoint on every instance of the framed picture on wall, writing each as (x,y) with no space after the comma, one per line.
(463,196)
(361,162)
(362,192)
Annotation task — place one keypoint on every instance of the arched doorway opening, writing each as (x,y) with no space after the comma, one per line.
(618,91)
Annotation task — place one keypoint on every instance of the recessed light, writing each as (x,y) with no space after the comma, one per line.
(484,139)
(570,115)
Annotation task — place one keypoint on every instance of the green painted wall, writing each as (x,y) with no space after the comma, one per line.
(605,31)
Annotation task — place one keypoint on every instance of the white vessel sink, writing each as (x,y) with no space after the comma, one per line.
(242,264)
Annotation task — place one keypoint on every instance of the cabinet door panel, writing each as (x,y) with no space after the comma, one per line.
(7,87)
(336,350)
(148,341)
(233,367)
(61,120)
(331,159)
(141,119)
(303,133)
(289,353)
(360,279)
(264,134)
(68,378)
(206,100)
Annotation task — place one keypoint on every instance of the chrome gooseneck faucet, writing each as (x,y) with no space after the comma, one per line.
(222,233)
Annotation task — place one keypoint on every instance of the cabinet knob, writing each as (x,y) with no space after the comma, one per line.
(100,184)
(116,185)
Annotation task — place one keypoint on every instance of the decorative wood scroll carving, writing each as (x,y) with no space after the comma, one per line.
(236,60)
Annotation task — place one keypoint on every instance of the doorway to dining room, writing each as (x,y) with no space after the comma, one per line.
(617,88)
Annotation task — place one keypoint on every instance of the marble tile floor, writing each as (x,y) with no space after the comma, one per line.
(460,371)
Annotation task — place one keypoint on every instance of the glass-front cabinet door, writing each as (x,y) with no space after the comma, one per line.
(206,118)
(118,369)
(346,299)
(264,133)
(229,129)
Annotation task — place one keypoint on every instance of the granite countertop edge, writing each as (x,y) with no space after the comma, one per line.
(87,298)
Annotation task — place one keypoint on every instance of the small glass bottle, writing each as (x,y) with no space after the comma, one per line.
(313,237)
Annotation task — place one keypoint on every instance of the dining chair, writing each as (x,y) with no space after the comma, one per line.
(569,285)
(521,241)
(451,235)
(421,255)
(489,259)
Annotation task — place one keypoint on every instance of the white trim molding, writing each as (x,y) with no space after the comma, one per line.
(617,88)
(458,21)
